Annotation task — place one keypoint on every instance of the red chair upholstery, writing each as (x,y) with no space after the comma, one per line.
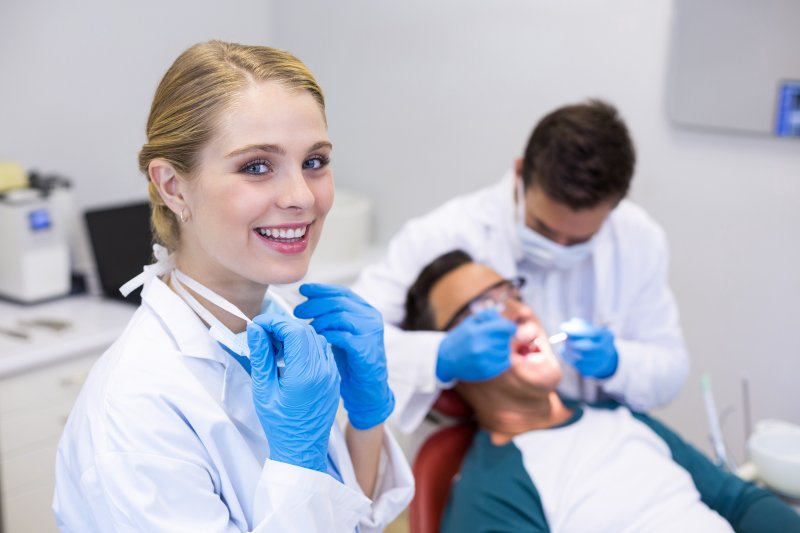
(450,403)
(437,463)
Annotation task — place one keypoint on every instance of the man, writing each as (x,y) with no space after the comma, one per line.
(539,463)
(560,220)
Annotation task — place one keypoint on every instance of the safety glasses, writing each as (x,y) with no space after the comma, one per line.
(494,297)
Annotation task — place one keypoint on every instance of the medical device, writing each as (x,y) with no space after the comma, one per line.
(34,263)
(713,422)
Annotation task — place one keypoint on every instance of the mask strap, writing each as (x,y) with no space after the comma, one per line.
(182,279)
(164,263)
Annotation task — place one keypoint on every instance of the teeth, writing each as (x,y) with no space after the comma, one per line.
(283,233)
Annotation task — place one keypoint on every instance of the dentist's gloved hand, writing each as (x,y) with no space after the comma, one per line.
(355,329)
(590,348)
(477,349)
(297,408)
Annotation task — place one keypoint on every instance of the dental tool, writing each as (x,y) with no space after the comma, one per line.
(713,422)
(556,338)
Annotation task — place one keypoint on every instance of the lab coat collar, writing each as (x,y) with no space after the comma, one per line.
(186,328)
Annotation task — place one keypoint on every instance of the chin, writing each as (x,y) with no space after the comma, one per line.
(538,369)
(281,272)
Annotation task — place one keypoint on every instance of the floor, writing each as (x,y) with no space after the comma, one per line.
(400,525)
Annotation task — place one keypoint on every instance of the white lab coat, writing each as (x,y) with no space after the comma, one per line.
(165,437)
(626,289)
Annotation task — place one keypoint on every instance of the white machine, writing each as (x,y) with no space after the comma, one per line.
(34,255)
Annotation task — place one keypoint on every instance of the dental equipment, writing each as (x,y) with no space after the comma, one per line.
(713,422)
(556,338)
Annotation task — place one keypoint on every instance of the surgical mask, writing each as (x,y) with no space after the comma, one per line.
(543,252)
(235,342)
(165,264)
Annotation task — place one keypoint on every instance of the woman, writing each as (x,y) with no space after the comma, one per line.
(214,411)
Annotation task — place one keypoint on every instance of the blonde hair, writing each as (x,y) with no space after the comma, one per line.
(197,89)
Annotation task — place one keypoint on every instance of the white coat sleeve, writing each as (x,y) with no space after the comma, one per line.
(127,494)
(653,361)
(394,486)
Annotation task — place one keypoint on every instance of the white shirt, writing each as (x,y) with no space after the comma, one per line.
(623,285)
(165,437)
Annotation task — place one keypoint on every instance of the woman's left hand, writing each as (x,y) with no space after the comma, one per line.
(355,330)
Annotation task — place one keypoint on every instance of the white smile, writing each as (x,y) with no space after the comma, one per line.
(283,234)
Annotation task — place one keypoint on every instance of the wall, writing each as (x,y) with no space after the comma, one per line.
(431,99)
(78,79)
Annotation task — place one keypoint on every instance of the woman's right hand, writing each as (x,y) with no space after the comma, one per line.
(297,406)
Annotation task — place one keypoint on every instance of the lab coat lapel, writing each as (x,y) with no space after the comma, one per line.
(502,244)
(237,401)
(605,276)
(228,384)
(186,328)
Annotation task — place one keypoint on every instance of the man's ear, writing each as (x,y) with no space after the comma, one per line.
(518,168)
(166,181)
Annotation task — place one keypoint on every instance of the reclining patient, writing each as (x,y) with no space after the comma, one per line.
(539,463)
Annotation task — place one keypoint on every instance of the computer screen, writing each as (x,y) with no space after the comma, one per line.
(122,244)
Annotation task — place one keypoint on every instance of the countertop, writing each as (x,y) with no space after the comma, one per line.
(58,330)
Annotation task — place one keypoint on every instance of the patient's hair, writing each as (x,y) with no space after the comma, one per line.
(580,155)
(419,315)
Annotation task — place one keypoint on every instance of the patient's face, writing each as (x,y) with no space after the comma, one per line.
(533,363)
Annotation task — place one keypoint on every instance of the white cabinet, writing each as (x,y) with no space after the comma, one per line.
(40,378)
(34,407)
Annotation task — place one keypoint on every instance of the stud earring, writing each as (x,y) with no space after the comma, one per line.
(183,216)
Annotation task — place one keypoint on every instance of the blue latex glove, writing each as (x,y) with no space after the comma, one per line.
(590,348)
(297,408)
(477,349)
(355,330)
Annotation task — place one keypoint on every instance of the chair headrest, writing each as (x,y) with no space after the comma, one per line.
(450,403)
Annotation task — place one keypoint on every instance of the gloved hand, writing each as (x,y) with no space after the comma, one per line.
(355,329)
(590,348)
(477,349)
(297,408)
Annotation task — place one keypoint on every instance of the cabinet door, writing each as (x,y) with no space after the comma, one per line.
(33,411)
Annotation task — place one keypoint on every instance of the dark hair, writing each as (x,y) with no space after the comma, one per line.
(580,155)
(419,315)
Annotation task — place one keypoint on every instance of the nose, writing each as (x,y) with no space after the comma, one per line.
(294,191)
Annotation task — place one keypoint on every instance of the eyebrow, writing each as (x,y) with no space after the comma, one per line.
(274,148)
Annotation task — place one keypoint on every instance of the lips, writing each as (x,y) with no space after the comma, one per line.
(286,238)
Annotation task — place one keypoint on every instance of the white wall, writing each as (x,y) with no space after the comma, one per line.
(431,99)
(78,78)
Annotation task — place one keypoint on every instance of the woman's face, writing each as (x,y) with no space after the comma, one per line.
(261,191)
(534,366)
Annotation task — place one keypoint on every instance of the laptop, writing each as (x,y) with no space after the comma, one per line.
(122,243)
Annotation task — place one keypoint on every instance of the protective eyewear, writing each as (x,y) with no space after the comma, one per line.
(494,297)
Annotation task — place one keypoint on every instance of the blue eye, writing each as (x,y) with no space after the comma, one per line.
(315,163)
(256,168)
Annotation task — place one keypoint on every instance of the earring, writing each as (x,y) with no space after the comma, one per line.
(183,216)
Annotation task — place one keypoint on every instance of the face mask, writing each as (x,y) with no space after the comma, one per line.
(235,342)
(543,252)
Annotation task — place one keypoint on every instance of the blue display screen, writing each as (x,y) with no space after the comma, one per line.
(39,220)
(788,116)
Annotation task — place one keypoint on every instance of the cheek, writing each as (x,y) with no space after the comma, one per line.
(323,191)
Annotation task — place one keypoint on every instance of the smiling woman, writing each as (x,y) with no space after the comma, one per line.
(215,410)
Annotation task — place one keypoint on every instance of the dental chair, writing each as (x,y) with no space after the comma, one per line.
(438,461)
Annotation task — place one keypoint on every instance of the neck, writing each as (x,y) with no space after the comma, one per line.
(245,295)
(505,418)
